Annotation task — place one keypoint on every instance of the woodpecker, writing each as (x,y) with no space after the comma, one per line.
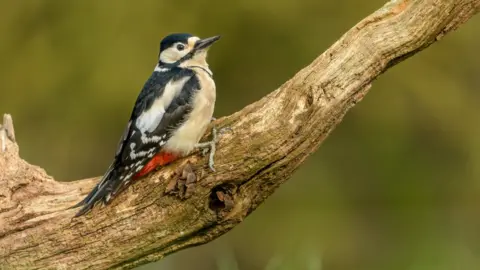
(170,115)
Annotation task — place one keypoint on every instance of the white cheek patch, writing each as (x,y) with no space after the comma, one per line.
(169,55)
(172,55)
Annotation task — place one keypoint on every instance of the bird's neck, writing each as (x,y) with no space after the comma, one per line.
(201,69)
(196,66)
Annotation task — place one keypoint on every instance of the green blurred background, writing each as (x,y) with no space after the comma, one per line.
(396,185)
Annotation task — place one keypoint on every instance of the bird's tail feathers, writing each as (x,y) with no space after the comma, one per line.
(99,192)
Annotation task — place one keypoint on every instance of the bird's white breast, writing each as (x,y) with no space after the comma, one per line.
(183,140)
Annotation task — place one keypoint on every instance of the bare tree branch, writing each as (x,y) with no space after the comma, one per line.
(269,140)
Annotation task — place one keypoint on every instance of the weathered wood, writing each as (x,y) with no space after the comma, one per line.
(269,140)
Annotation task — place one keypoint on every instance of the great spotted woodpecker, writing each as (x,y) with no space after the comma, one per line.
(171,114)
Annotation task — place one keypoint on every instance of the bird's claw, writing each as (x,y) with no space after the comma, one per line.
(205,151)
(224,129)
(210,146)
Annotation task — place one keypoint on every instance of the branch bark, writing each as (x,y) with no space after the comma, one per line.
(269,140)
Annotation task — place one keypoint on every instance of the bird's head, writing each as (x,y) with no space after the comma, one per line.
(184,50)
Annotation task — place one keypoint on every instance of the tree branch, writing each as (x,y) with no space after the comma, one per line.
(269,140)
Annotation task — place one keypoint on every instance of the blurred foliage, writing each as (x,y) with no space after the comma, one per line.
(396,186)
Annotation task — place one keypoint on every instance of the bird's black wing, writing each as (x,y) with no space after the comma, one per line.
(149,128)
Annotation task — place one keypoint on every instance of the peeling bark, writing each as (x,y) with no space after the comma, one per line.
(269,140)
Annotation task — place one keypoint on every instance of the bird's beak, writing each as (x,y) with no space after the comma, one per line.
(205,43)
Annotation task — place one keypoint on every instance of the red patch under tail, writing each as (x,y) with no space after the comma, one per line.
(160,159)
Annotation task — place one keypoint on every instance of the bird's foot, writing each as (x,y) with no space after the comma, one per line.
(183,183)
(210,146)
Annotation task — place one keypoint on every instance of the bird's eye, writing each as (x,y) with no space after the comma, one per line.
(180,47)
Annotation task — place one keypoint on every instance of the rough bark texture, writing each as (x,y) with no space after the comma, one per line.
(268,141)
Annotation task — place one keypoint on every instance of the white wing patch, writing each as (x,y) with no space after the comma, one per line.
(149,119)
(150,139)
(160,69)
(134,155)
